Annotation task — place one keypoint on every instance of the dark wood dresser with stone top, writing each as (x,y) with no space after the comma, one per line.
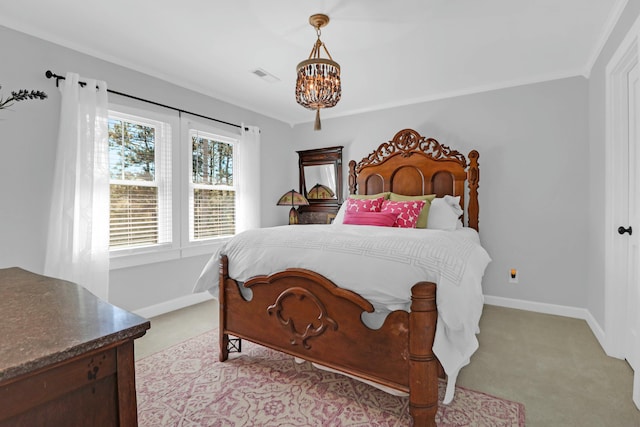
(66,356)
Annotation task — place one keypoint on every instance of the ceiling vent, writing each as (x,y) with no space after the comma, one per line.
(264,75)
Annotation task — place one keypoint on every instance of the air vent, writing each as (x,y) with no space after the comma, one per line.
(266,76)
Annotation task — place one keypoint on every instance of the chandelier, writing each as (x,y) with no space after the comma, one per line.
(318,82)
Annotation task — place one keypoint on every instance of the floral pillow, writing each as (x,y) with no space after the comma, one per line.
(364,205)
(424,214)
(407,212)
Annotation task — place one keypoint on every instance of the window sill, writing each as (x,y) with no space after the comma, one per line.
(203,248)
(126,259)
(129,259)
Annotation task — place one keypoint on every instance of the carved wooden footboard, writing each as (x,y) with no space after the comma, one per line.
(302,313)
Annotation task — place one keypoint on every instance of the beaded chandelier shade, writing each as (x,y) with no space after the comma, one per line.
(318,83)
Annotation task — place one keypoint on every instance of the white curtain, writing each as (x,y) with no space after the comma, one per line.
(78,232)
(248,209)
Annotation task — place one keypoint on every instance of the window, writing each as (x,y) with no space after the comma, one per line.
(140,182)
(212,192)
(174,186)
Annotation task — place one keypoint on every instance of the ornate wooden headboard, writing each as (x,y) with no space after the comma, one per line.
(413,165)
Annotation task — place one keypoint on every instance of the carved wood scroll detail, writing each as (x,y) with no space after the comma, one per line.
(310,330)
(405,143)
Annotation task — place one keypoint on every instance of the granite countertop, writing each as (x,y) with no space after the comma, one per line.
(45,320)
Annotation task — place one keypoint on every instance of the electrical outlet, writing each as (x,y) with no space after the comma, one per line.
(513,275)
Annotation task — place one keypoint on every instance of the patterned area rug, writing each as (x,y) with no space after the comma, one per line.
(186,386)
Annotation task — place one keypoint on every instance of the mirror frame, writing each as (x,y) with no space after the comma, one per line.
(319,157)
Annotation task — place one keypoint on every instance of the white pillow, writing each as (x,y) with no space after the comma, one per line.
(444,213)
(340,215)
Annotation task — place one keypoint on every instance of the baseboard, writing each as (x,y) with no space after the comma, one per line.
(558,310)
(597,330)
(538,307)
(174,304)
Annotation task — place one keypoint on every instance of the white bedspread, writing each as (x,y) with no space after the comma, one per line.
(381,264)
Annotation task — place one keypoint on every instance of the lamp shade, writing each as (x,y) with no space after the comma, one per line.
(292,198)
(320,191)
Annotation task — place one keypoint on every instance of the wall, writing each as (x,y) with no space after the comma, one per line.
(27,150)
(541,166)
(597,136)
(533,154)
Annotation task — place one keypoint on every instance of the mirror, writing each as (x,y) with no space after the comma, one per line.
(320,182)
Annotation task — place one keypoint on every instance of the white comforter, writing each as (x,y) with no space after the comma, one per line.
(381,264)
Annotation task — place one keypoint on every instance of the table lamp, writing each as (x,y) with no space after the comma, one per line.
(320,191)
(292,198)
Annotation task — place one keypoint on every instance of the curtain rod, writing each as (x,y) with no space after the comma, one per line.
(49,74)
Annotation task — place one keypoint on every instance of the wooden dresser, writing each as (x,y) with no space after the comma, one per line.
(66,356)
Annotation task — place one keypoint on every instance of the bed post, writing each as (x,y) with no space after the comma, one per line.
(224,338)
(353,185)
(473,177)
(423,365)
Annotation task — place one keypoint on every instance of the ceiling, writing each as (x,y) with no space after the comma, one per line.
(391,53)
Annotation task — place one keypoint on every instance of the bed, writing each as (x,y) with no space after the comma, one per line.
(301,305)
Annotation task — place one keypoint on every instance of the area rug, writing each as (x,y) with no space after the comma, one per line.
(187,386)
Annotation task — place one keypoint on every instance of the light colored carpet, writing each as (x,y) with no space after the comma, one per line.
(553,365)
(185,385)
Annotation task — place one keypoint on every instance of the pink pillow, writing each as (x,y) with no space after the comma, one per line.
(406,212)
(382,219)
(364,205)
